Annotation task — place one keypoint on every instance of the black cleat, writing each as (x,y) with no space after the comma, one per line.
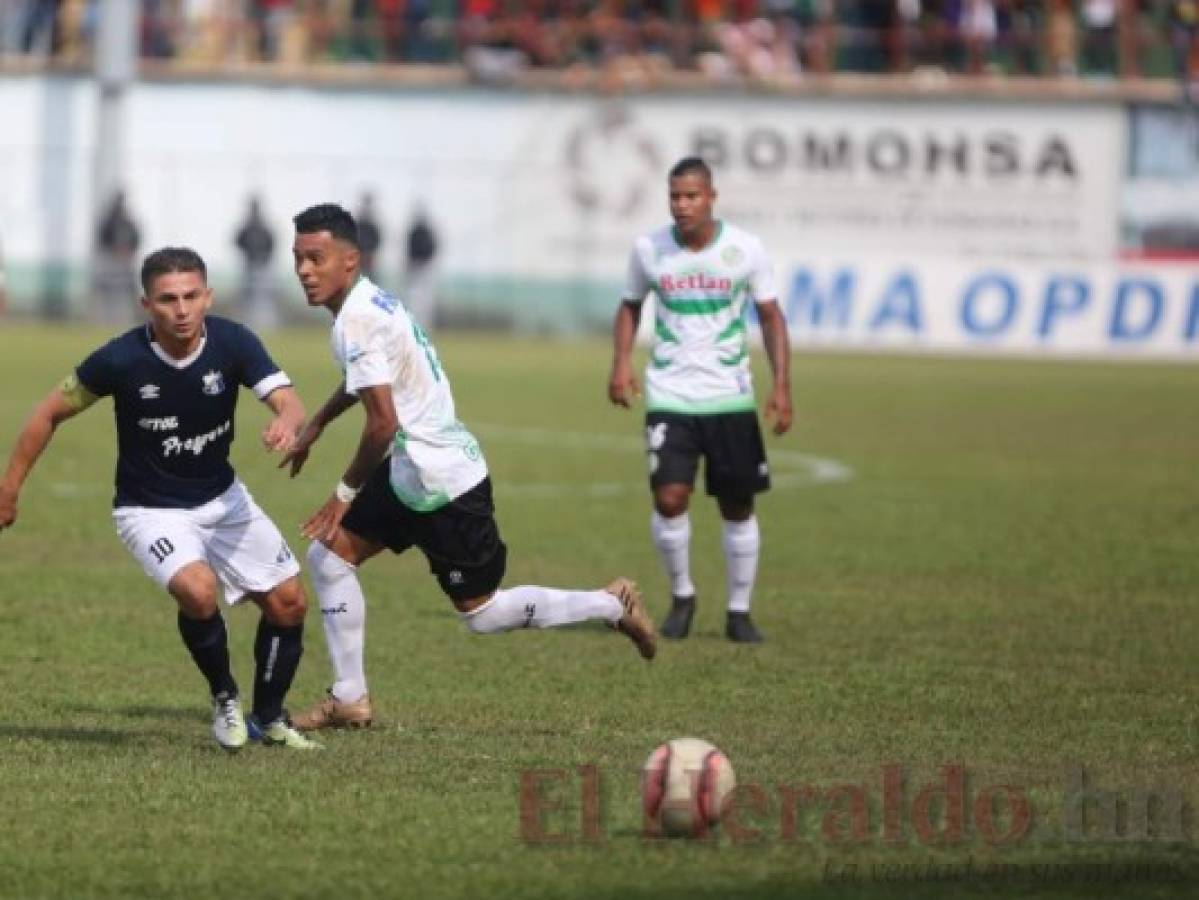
(678,621)
(739,627)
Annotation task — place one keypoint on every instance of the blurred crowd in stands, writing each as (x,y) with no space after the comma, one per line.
(772,41)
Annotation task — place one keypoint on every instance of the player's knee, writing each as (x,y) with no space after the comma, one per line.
(194,588)
(286,605)
(482,616)
(670,502)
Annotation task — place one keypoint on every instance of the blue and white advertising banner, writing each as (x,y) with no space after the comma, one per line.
(1133,310)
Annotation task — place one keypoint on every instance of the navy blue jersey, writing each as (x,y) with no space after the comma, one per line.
(175,417)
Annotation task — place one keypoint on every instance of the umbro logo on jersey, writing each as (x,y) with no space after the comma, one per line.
(455,577)
(148,391)
(214,383)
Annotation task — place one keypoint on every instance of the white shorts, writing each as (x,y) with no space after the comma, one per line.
(231,534)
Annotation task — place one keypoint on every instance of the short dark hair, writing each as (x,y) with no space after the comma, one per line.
(331,218)
(689,164)
(171,259)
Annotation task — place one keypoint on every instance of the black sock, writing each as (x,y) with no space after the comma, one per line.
(208,643)
(277,652)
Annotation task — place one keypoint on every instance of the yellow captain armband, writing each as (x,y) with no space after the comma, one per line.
(77,396)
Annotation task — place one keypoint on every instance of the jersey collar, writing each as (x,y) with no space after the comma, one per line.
(170,360)
(363,286)
(678,237)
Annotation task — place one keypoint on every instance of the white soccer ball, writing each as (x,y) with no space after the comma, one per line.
(684,786)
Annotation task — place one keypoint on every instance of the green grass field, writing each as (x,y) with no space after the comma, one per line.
(1006,582)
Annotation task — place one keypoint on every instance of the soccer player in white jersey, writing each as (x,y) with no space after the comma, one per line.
(417,479)
(179,508)
(699,394)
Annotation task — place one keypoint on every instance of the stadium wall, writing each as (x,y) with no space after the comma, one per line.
(943,224)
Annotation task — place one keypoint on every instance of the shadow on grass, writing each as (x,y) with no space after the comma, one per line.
(193,713)
(66,733)
(1080,885)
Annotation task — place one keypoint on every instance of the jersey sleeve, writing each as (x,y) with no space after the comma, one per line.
(637,282)
(761,279)
(99,373)
(364,352)
(258,371)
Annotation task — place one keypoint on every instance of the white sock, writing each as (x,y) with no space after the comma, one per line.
(530,606)
(343,613)
(672,537)
(741,541)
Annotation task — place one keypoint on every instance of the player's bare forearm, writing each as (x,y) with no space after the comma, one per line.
(282,431)
(778,351)
(297,454)
(339,401)
(622,384)
(378,432)
(30,444)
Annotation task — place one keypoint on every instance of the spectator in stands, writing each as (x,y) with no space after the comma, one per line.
(1099,37)
(1021,24)
(272,19)
(1184,31)
(978,29)
(158,30)
(633,41)
(370,236)
(40,29)
(256,242)
(1061,39)
(117,240)
(420,270)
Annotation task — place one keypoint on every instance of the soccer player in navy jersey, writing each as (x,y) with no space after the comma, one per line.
(179,508)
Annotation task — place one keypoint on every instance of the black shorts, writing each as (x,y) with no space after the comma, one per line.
(730,443)
(460,540)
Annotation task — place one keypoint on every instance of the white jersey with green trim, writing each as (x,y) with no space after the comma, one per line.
(700,358)
(376,342)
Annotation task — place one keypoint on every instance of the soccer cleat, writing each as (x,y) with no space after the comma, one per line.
(739,627)
(635,623)
(228,724)
(280,734)
(678,621)
(334,713)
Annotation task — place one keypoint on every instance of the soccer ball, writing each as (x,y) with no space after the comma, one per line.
(684,786)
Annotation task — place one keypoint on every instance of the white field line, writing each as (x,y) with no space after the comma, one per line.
(789,468)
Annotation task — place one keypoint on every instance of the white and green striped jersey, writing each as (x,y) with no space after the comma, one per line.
(700,358)
(434,458)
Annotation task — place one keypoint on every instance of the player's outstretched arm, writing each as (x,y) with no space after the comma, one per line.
(377,434)
(281,432)
(778,351)
(622,383)
(337,403)
(64,401)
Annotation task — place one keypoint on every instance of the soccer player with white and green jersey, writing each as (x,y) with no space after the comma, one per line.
(417,479)
(699,392)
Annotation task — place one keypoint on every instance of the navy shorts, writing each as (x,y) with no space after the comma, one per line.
(730,444)
(460,540)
